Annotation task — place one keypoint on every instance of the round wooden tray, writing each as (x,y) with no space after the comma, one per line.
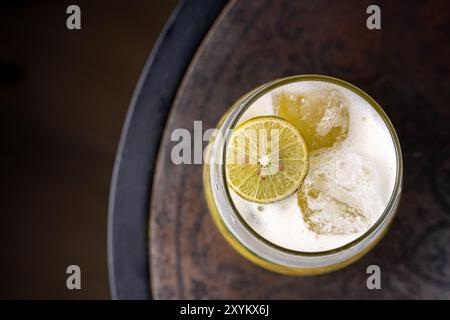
(405,67)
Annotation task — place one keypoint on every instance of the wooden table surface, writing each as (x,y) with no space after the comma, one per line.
(405,66)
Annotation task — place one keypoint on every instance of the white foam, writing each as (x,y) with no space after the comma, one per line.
(360,171)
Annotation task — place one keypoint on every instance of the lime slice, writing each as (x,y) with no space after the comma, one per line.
(266,159)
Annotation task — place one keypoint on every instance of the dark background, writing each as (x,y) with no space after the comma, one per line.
(63,96)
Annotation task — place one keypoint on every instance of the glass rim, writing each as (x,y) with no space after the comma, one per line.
(390,207)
